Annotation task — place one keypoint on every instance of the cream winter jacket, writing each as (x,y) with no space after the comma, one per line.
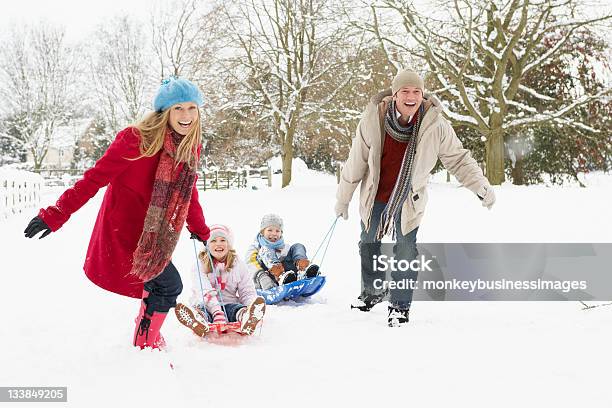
(436,139)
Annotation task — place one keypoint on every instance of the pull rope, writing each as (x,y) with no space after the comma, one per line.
(327,237)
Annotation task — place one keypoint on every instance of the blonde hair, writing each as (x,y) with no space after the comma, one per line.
(152,128)
(229,262)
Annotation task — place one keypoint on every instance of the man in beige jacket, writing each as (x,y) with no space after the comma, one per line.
(398,141)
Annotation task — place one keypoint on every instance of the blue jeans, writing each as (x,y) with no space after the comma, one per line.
(404,248)
(264,280)
(231,310)
(296,252)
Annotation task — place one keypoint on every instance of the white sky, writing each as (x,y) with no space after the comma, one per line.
(79,17)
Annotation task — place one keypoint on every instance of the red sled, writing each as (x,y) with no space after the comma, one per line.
(223,328)
(187,318)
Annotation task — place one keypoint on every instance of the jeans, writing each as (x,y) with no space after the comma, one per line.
(264,280)
(231,311)
(163,290)
(404,248)
(296,252)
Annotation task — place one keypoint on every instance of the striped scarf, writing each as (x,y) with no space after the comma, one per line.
(403,183)
(166,214)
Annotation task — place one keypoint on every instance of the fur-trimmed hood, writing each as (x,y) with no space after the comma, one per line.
(433,106)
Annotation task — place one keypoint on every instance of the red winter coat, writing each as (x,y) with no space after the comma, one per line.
(121,216)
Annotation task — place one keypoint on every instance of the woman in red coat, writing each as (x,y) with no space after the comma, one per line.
(150,174)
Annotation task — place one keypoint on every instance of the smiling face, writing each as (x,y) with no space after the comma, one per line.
(183,117)
(218,248)
(407,101)
(272,233)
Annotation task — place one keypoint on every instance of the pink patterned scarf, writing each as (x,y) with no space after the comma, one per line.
(166,214)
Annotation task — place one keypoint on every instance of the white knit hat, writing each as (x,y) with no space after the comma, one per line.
(270,220)
(219,230)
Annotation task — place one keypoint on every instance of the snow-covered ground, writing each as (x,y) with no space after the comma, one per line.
(58,329)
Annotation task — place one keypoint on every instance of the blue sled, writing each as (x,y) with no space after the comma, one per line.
(303,287)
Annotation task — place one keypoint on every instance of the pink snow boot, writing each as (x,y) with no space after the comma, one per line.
(147,332)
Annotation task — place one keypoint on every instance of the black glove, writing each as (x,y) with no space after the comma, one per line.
(195,236)
(35,226)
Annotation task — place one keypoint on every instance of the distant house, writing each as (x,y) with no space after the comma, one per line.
(61,150)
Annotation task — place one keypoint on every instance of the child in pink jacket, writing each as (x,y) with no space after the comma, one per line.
(227,292)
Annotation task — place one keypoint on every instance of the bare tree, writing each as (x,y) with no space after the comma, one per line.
(38,71)
(282,53)
(184,35)
(479,52)
(326,131)
(121,71)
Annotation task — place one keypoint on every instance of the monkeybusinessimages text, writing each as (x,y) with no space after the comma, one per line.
(384,263)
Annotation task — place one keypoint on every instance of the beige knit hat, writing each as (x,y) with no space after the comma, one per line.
(407,77)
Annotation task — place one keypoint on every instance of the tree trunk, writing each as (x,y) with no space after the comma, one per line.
(495,156)
(518,175)
(36,159)
(287,147)
(287,156)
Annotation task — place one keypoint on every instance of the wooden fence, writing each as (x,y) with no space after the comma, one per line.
(19,190)
(208,179)
(215,179)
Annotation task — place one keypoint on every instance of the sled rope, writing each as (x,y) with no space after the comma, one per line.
(214,271)
(327,238)
(195,252)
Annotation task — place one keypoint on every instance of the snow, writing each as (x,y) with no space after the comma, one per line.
(535,93)
(298,165)
(492,52)
(58,329)
(492,36)
(479,78)
(556,116)
(457,116)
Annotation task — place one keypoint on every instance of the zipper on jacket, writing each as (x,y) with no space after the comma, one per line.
(381,124)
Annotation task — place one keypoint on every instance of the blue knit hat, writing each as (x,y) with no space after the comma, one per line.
(176,90)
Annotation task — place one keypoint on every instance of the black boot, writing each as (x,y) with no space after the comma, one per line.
(397,317)
(365,303)
(312,271)
(287,277)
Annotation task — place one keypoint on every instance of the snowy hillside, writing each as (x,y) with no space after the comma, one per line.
(58,329)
